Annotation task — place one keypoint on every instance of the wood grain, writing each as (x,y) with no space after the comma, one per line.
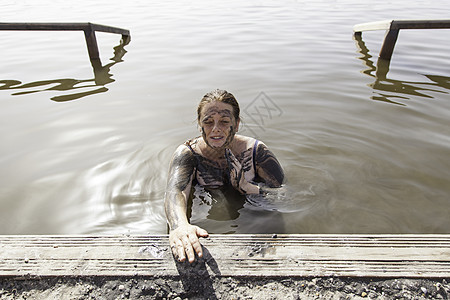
(414,256)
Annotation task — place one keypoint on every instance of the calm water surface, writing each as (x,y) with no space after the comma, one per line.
(365,146)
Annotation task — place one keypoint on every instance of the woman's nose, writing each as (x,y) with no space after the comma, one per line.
(216,126)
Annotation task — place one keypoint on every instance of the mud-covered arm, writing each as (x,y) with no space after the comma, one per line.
(178,187)
(268,169)
(183,237)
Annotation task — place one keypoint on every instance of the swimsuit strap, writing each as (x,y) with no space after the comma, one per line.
(188,144)
(254,156)
(190,148)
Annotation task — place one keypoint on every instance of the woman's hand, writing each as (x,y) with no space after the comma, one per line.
(237,177)
(184,242)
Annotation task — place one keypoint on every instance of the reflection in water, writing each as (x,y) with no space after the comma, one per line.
(126,193)
(216,210)
(102,77)
(221,204)
(227,211)
(401,89)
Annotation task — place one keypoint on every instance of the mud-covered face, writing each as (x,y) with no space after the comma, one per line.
(218,124)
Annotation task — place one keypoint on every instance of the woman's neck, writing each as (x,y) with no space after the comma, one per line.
(216,154)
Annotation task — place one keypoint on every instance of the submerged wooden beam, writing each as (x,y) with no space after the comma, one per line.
(295,255)
(392,28)
(88,28)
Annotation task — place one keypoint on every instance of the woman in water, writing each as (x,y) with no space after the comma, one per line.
(217,158)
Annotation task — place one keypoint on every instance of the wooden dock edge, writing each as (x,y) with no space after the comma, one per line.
(281,256)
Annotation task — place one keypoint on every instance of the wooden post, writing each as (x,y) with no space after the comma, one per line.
(91,43)
(389,43)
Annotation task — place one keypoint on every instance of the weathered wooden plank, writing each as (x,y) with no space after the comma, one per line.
(229,255)
(402,24)
(420,24)
(378,25)
(110,29)
(63,27)
(44,26)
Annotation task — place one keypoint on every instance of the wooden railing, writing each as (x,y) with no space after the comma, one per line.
(88,28)
(393,27)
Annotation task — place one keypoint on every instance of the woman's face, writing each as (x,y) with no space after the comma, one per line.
(218,124)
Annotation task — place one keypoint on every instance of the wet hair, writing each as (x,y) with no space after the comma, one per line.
(222,96)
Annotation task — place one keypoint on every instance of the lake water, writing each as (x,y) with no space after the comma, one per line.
(365,150)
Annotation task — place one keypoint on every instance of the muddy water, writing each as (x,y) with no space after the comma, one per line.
(365,145)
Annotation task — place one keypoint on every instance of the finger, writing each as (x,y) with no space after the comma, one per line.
(236,164)
(239,176)
(189,250)
(232,158)
(233,175)
(202,232)
(180,251)
(230,153)
(174,244)
(174,250)
(197,247)
(229,160)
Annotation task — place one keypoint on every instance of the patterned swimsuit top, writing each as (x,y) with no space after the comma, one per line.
(209,174)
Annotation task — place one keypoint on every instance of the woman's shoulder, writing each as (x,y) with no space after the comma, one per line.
(244,142)
(183,150)
(190,144)
(186,149)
